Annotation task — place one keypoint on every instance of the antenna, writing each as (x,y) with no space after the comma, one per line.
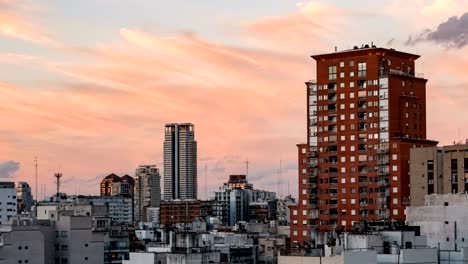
(281,177)
(58,176)
(246,167)
(206,181)
(35,165)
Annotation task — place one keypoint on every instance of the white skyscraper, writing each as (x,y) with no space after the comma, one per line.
(180,162)
(147,190)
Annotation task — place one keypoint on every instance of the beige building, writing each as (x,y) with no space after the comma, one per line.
(439,170)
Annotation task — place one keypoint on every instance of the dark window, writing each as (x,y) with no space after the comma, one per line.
(446,204)
(446,222)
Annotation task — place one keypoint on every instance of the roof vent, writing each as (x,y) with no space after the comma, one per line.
(366,46)
(356,47)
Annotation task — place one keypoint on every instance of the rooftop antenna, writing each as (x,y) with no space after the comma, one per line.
(246,167)
(206,181)
(281,177)
(35,166)
(58,176)
(278,183)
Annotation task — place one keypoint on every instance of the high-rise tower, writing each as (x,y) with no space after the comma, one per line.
(147,190)
(366,110)
(180,162)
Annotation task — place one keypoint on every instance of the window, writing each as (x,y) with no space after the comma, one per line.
(395,211)
(304,222)
(343,159)
(353,148)
(341,85)
(294,233)
(351,95)
(64,234)
(294,212)
(343,201)
(353,212)
(342,117)
(351,116)
(342,96)
(304,212)
(304,181)
(394,156)
(343,222)
(304,233)
(343,180)
(351,105)
(341,74)
(395,168)
(352,137)
(304,202)
(395,200)
(342,138)
(343,148)
(353,180)
(353,201)
(352,159)
(342,106)
(294,222)
(343,190)
(304,191)
(351,63)
(341,64)
(362,69)
(351,84)
(395,189)
(332,72)
(395,178)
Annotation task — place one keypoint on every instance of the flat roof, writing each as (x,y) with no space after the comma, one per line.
(363,51)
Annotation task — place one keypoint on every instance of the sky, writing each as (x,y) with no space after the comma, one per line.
(87,86)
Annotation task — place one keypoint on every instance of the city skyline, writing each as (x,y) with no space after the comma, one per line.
(90,94)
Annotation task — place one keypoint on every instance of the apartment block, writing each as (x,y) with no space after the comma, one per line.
(438,170)
(366,109)
(147,190)
(300,214)
(8,207)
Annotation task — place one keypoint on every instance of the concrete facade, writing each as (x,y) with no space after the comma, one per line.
(147,190)
(24,197)
(439,170)
(8,207)
(27,241)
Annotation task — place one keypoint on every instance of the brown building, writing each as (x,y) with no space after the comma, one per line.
(438,170)
(300,231)
(113,185)
(365,111)
(179,211)
(239,182)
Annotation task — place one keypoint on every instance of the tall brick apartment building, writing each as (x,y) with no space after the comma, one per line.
(365,111)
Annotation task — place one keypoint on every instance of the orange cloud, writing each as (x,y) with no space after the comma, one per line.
(305,28)
(109,115)
(14,25)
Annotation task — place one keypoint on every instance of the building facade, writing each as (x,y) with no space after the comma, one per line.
(179,211)
(365,111)
(24,197)
(114,185)
(27,241)
(439,170)
(147,190)
(8,207)
(300,231)
(180,162)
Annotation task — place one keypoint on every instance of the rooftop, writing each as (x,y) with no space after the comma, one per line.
(363,50)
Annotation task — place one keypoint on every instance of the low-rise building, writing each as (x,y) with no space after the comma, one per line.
(179,211)
(23,197)
(25,240)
